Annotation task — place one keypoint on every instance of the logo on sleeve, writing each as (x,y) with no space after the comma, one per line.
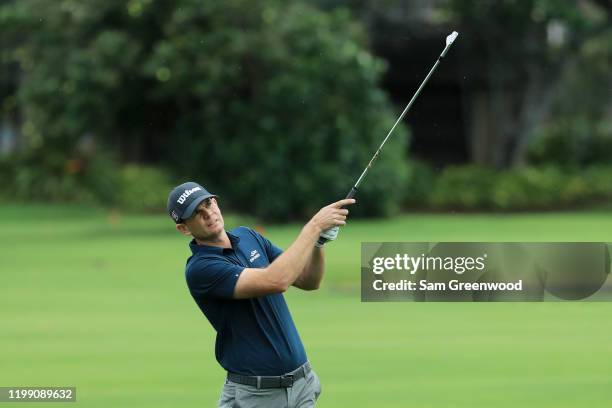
(254,255)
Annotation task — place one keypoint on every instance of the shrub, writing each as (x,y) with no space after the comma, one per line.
(598,180)
(463,187)
(86,179)
(278,130)
(420,184)
(274,105)
(143,189)
(528,188)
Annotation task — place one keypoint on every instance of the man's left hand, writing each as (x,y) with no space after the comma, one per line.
(330,235)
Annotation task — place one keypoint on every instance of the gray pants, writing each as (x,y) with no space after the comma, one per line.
(303,394)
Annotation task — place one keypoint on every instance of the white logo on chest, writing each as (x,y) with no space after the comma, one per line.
(254,255)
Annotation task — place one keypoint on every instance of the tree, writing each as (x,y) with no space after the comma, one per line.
(523,49)
(273,104)
(578,131)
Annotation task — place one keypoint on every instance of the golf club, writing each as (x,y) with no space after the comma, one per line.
(449,41)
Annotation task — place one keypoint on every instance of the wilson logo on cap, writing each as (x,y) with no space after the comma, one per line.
(186,194)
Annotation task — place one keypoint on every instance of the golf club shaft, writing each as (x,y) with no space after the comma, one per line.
(354,189)
(449,41)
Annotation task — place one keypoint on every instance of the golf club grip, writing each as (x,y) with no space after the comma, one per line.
(351,194)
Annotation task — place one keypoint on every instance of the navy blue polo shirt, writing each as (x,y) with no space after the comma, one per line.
(255,336)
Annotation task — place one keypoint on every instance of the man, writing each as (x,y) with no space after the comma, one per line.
(237,279)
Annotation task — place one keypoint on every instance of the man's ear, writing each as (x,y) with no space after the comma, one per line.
(182,228)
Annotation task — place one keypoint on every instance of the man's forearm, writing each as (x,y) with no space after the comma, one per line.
(290,264)
(312,275)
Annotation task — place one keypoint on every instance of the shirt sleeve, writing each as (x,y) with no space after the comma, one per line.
(272,250)
(213,278)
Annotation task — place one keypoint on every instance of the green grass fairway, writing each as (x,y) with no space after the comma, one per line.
(99,302)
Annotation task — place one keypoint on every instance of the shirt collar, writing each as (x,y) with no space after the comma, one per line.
(209,249)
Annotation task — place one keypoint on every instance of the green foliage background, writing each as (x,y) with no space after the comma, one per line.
(276,105)
(273,105)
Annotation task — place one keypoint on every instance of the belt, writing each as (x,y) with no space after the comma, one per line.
(266,381)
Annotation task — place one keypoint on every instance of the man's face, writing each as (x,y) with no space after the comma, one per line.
(206,221)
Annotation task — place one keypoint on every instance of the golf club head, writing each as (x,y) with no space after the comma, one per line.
(450,39)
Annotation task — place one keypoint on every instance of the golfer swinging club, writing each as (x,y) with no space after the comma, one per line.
(237,278)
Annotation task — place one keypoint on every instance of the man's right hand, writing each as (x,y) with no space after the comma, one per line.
(330,217)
